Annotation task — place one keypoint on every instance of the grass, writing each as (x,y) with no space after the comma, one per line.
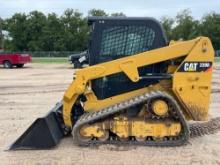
(217,59)
(50,60)
(63,60)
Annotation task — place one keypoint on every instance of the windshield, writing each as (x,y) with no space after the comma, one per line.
(126,40)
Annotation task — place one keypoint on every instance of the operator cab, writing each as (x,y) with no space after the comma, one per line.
(116,37)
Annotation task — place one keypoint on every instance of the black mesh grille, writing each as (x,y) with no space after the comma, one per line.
(126,40)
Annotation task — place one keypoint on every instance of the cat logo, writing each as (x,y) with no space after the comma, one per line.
(190,67)
(195,66)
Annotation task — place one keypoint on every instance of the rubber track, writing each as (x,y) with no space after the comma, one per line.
(92,117)
(204,128)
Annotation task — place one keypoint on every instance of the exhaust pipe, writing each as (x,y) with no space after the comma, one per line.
(44,133)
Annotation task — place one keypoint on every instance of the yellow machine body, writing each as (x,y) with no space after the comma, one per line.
(190,86)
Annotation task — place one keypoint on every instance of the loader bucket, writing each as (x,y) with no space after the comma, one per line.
(44,133)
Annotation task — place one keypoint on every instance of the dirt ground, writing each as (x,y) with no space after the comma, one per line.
(31,92)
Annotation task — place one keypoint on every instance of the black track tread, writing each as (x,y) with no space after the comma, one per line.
(204,128)
(93,117)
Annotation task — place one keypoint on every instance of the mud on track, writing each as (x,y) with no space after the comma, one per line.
(28,93)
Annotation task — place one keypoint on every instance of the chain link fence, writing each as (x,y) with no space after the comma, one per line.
(64,53)
(48,53)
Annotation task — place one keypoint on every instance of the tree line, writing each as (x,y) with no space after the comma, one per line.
(185,27)
(36,31)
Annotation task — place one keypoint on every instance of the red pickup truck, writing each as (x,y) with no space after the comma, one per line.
(9,60)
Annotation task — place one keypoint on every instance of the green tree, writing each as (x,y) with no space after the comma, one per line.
(36,21)
(75,30)
(17,28)
(52,39)
(167,24)
(97,12)
(210,27)
(186,28)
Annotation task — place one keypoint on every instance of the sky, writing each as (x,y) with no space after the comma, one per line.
(149,8)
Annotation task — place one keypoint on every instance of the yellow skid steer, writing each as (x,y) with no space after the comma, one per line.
(138,89)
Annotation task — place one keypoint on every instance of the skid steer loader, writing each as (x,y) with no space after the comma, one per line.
(138,89)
